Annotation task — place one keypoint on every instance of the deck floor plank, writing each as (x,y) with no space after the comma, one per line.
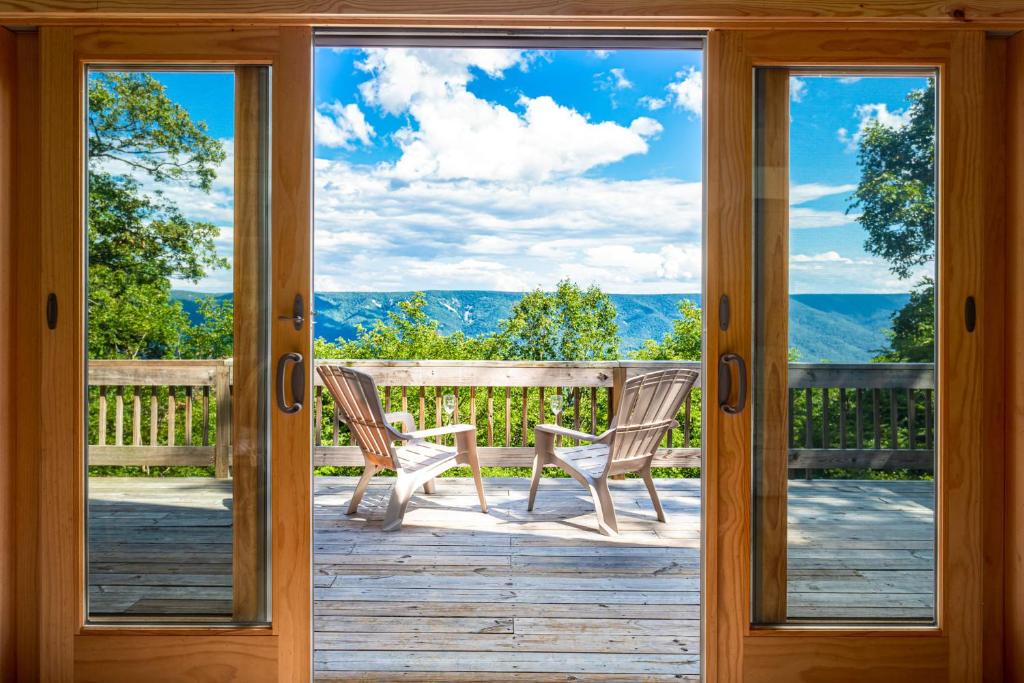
(512,595)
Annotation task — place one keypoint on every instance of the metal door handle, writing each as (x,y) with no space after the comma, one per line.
(298,382)
(725,383)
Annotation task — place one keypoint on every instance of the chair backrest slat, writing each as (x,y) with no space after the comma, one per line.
(650,403)
(355,396)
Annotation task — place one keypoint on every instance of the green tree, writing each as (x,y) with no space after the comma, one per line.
(896,202)
(213,336)
(568,324)
(139,240)
(912,338)
(682,343)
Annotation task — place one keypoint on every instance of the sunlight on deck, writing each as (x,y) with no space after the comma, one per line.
(458,595)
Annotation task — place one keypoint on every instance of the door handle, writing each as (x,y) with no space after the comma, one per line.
(298,382)
(725,383)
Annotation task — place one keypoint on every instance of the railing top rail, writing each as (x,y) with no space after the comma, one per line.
(862,375)
(496,373)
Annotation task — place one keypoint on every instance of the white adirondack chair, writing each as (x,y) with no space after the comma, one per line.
(417,462)
(648,408)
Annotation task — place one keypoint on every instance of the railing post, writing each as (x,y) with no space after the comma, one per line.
(222,445)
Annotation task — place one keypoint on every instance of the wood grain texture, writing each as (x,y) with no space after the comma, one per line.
(61,588)
(771,338)
(61,594)
(961,360)
(994,468)
(961,438)
(8,85)
(247,432)
(728,117)
(291,448)
(27,361)
(174,658)
(1013,529)
(703,14)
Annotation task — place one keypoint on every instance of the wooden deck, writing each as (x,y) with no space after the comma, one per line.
(458,595)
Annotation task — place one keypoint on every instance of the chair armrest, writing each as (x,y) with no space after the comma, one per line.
(439,431)
(563,431)
(407,420)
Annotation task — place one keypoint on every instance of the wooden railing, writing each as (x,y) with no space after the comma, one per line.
(151,413)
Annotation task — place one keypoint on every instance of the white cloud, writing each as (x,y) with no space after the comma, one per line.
(645,127)
(688,92)
(602,54)
(826,257)
(850,80)
(797,89)
(652,103)
(621,81)
(685,93)
(866,115)
(537,232)
(459,135)
(338,125)
(490,244)
(801,217)
(809,192)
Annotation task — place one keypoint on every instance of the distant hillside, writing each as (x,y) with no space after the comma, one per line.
(823,327)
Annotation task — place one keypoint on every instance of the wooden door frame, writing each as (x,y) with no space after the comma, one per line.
(69,648)
(952,650)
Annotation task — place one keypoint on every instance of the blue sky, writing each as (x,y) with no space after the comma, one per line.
(507,169)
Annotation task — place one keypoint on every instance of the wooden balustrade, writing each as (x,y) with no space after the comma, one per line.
(153,413)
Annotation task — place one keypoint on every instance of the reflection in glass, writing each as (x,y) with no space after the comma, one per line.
(177,344)
(844,419)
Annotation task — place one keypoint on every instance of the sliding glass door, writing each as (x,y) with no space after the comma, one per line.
(844,496)
(177,280)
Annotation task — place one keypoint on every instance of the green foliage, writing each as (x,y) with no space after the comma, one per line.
(912,338)
(138,240)
(568,324)
(682,343)
(896,201)
(132,121)
(213,336)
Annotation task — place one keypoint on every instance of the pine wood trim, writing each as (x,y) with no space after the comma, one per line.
(8,85)
(771,383)
(1013,530)
(705,14)
(790,652)
(27,322)
(66,647)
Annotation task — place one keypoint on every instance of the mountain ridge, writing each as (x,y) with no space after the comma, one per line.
(838,328)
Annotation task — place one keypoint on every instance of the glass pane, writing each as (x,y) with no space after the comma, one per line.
(177,344)
(844,375)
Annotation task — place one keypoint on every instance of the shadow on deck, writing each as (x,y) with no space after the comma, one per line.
(457,595)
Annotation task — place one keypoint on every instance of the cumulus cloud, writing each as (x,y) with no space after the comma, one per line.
(687,93)
(512,235)
(797,89)
(868,114)
(338,125)
(809,192)
(459,135)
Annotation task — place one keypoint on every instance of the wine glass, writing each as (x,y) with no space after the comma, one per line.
(557,404)
(448,402)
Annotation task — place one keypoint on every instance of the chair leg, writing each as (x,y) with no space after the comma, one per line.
(606,523)
(369,470)
(474,464)
(538,467)
(428,487)
(649,480)
(401,493)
